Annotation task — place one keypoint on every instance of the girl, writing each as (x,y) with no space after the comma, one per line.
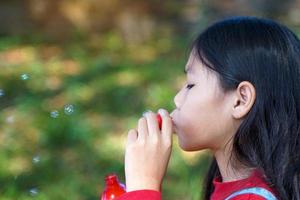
(242,102)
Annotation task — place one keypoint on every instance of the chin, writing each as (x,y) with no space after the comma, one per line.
(186,147)
(191,147)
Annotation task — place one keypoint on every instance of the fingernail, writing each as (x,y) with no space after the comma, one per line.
(146,112)
(162,112)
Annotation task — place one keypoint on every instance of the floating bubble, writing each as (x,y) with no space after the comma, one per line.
(36,159)
(33,191)
(69,109)
(10,119)
(24,77)
(1,93)
(54,114)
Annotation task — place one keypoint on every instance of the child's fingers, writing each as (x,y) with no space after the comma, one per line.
(167,124)
(142,129)
(132,136)
(153,129)
(167,128)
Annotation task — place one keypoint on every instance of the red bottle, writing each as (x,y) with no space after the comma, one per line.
(159,120)
(113,188)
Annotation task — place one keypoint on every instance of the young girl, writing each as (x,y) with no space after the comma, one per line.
(242,102)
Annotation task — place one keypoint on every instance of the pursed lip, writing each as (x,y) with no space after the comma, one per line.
(172,113)
(173,120)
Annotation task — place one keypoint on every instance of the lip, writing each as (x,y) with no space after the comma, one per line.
(172,113)
(173,121)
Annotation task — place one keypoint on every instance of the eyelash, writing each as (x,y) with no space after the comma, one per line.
(189,86)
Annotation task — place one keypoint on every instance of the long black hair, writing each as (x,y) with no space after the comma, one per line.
(267,54)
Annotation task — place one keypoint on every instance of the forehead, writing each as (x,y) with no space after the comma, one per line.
(193,64)
(194,68)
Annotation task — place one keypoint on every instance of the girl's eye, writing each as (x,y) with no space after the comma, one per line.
(189,86)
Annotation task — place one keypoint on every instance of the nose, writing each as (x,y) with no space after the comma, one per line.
(178,99)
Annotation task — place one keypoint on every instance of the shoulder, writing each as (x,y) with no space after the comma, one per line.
(248,197)
(253,187)
(252,193)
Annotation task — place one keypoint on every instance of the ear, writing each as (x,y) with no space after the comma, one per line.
(244,99)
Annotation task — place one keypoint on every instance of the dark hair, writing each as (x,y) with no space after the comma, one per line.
(267,54)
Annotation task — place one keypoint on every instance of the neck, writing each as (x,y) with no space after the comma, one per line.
(228,171)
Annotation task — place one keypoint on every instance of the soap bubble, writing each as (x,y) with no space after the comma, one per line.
(24,77)
(33,191)
(1,93)
(10,119)
(69,109)
(36,159)
(54,114)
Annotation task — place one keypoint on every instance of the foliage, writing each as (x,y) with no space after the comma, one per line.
(48,153)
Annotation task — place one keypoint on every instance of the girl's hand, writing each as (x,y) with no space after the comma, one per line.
(148,152)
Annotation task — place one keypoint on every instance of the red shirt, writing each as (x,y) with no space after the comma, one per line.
(221,191)
(224,189)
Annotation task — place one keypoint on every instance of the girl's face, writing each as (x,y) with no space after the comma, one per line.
(202,116)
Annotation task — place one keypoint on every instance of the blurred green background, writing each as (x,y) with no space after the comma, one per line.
(75,76)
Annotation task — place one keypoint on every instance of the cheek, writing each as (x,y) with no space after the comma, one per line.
(196,132)
(199,125)
(190,127)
